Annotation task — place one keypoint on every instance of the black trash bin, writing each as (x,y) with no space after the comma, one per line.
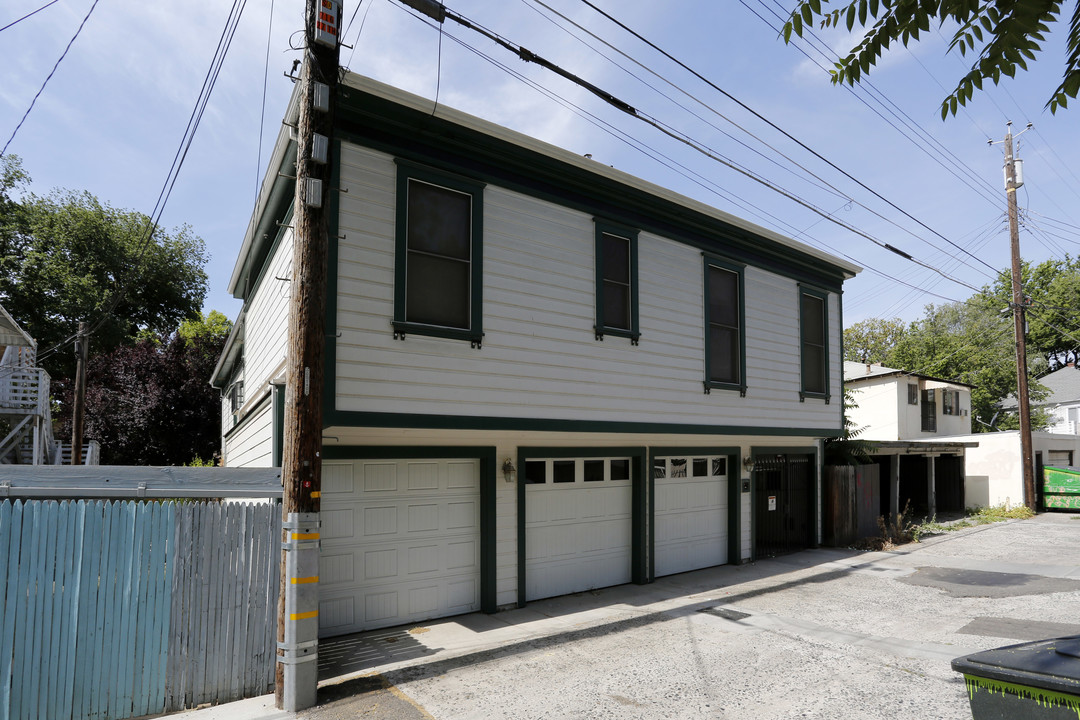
(1030,681)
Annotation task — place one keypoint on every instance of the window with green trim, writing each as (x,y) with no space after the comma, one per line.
(616,281)
(813,332)
(438,263)
(725,335)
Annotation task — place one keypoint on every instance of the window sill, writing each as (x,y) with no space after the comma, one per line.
(710,385)
(616,332)
(402,328)
(804,394)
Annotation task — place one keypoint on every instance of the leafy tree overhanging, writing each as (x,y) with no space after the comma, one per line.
(1003,35)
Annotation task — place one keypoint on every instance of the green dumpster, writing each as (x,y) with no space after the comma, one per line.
(1030,681)
(1061,488)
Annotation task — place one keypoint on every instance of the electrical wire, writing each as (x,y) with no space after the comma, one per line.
(655,155)
(13,23)
(47,79)
(262,106)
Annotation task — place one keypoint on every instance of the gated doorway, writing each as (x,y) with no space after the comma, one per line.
(783,505)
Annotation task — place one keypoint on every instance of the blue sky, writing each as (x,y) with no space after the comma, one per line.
(112,117)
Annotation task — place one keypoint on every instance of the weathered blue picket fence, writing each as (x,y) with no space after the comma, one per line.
(127,608)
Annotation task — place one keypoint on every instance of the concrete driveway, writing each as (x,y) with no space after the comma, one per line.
(821,634)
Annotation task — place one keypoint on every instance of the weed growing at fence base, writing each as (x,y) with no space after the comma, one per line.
(901,529)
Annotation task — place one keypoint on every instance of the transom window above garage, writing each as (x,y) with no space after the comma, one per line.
(689,467)
(577,470)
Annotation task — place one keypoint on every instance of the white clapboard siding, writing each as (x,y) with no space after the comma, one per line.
(97,598)
(539,351)
(266,326)
(250,444)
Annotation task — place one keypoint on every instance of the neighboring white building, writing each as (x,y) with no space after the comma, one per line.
(909,416)
(899,405)
(1063,402)
(543,375)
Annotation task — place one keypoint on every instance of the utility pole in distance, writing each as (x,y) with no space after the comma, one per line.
(296,677)
(78,407)
(1013,180)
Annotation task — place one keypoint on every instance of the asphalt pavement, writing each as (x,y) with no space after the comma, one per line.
(823,633)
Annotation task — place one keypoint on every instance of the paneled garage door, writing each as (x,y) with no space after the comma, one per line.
(400,542)
(577,525)
(691,513)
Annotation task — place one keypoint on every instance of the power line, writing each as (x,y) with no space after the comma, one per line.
(439,13)
(30,14)
(47,79)
(262,107)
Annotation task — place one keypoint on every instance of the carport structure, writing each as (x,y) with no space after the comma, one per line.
(927,474)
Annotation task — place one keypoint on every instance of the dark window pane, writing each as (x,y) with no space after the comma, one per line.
(701,467)
(535,472)
(813,320)
(678,468)
(616,260)
(813,368)
(439,220)
(616,306)
(659,469)
(437,291)
(724,363)
(620,469)
(594,471)
(563,471)
(723,297)
(719,466)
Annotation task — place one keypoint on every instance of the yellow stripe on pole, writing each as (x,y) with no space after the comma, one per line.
(304,580)
(305,536)
(304,616)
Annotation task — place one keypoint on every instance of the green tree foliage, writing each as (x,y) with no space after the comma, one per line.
(871,340)
(1001,35)
(64,256)
(151,403)
(1052,288)
(849,448)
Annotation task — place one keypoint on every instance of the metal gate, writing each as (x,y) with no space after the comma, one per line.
(782,512)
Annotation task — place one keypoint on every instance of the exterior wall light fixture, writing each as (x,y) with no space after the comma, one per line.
(509,471)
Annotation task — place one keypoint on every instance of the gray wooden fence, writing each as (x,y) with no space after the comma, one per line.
(127,608)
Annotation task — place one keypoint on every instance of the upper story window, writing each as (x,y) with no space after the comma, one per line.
(929,411)
(813,333)
(616,281)
(725,337)
(439,256)
(912,394)
(950,402)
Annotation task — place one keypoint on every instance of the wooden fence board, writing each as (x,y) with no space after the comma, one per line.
(11,529)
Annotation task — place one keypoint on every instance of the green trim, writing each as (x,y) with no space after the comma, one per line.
(332,230)
(407,171)
(349,418)
(384,125)
(241,422)
(639,571)
(755,451)
(824,297)
(1040,696)
(738,269)
(278,428)
(486,456)
(602,227)
(734,507)
(282,194)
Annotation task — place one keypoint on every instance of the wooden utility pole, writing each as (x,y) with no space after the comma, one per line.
(1018,305)
(82,340)
(301,472)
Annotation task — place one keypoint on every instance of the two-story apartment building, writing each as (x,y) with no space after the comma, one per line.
(543,375)
(911,417)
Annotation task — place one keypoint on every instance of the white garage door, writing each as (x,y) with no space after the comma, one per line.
(400,542)
(691,513)
(577,525)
